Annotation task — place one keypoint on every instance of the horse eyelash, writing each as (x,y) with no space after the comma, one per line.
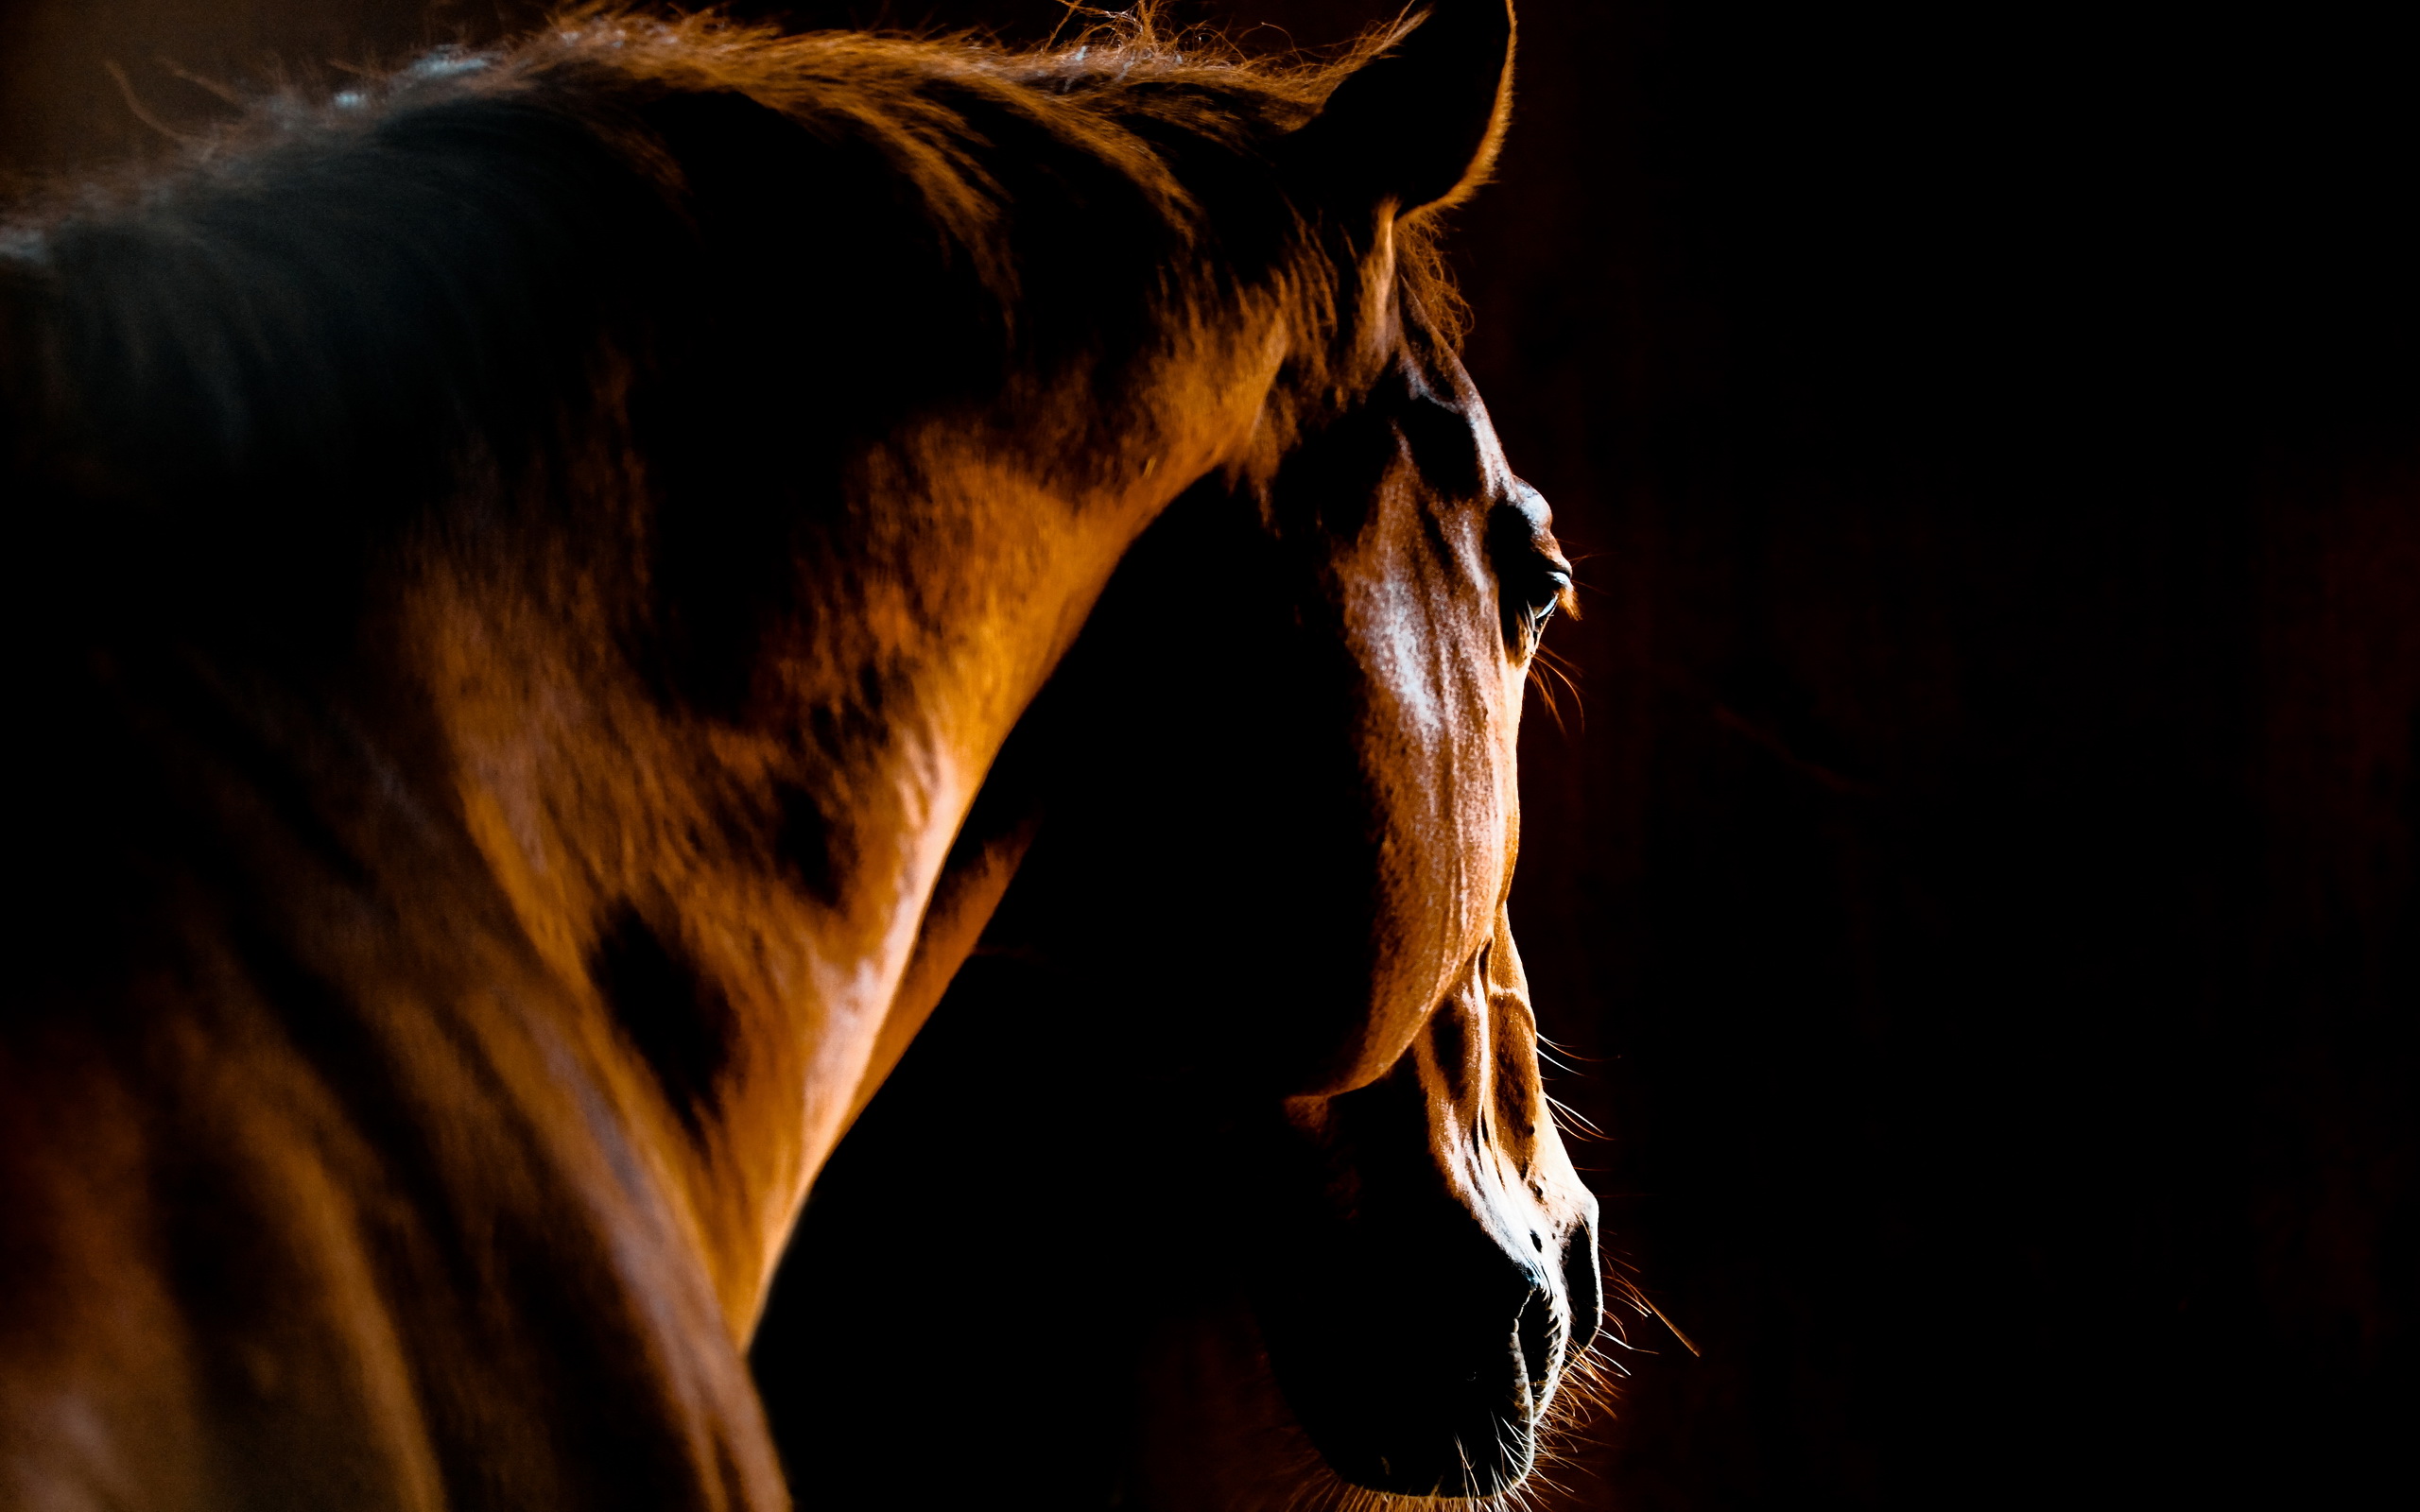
(1546,668)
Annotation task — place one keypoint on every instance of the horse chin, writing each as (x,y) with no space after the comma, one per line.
(1380,1446)
(1455,1474)
(1412,1414)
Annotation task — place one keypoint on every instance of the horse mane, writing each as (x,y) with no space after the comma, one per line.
(1159,129)
(1116,90)
(479,259)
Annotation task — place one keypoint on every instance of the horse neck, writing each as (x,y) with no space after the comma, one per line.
(762,854)
(601,961)
(763,861)
(445,877)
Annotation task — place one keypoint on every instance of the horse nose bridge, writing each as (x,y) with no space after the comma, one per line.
(1417,1156)
(1527,1195)
(1520,1126)
(1492,1144)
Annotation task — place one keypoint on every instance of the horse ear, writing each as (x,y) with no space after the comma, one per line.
(1417,126)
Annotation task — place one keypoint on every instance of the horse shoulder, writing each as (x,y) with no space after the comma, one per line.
(329,1189)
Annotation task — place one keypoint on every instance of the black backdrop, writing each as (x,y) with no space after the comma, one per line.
(1978,881)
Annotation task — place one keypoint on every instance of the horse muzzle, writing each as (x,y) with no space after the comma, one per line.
(1421,1364)
(1424,1294)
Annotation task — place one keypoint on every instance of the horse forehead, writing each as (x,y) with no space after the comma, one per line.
(1422,586)
(1435,376)
(1424,575)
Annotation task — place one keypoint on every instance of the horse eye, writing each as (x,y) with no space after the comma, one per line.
(1532,578)
(1532,604)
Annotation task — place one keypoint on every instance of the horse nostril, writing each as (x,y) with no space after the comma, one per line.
(1534,1332)
(1582,1283)
(1537,1242)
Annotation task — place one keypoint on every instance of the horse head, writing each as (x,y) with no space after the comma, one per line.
(1282,821)
(1282,849)
(1433,1263)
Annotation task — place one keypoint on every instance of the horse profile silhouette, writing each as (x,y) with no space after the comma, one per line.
(520,571)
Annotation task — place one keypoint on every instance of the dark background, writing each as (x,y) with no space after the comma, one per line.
(1977,879)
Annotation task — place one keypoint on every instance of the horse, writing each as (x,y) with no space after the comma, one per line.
(1250,1019)
(520,569)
